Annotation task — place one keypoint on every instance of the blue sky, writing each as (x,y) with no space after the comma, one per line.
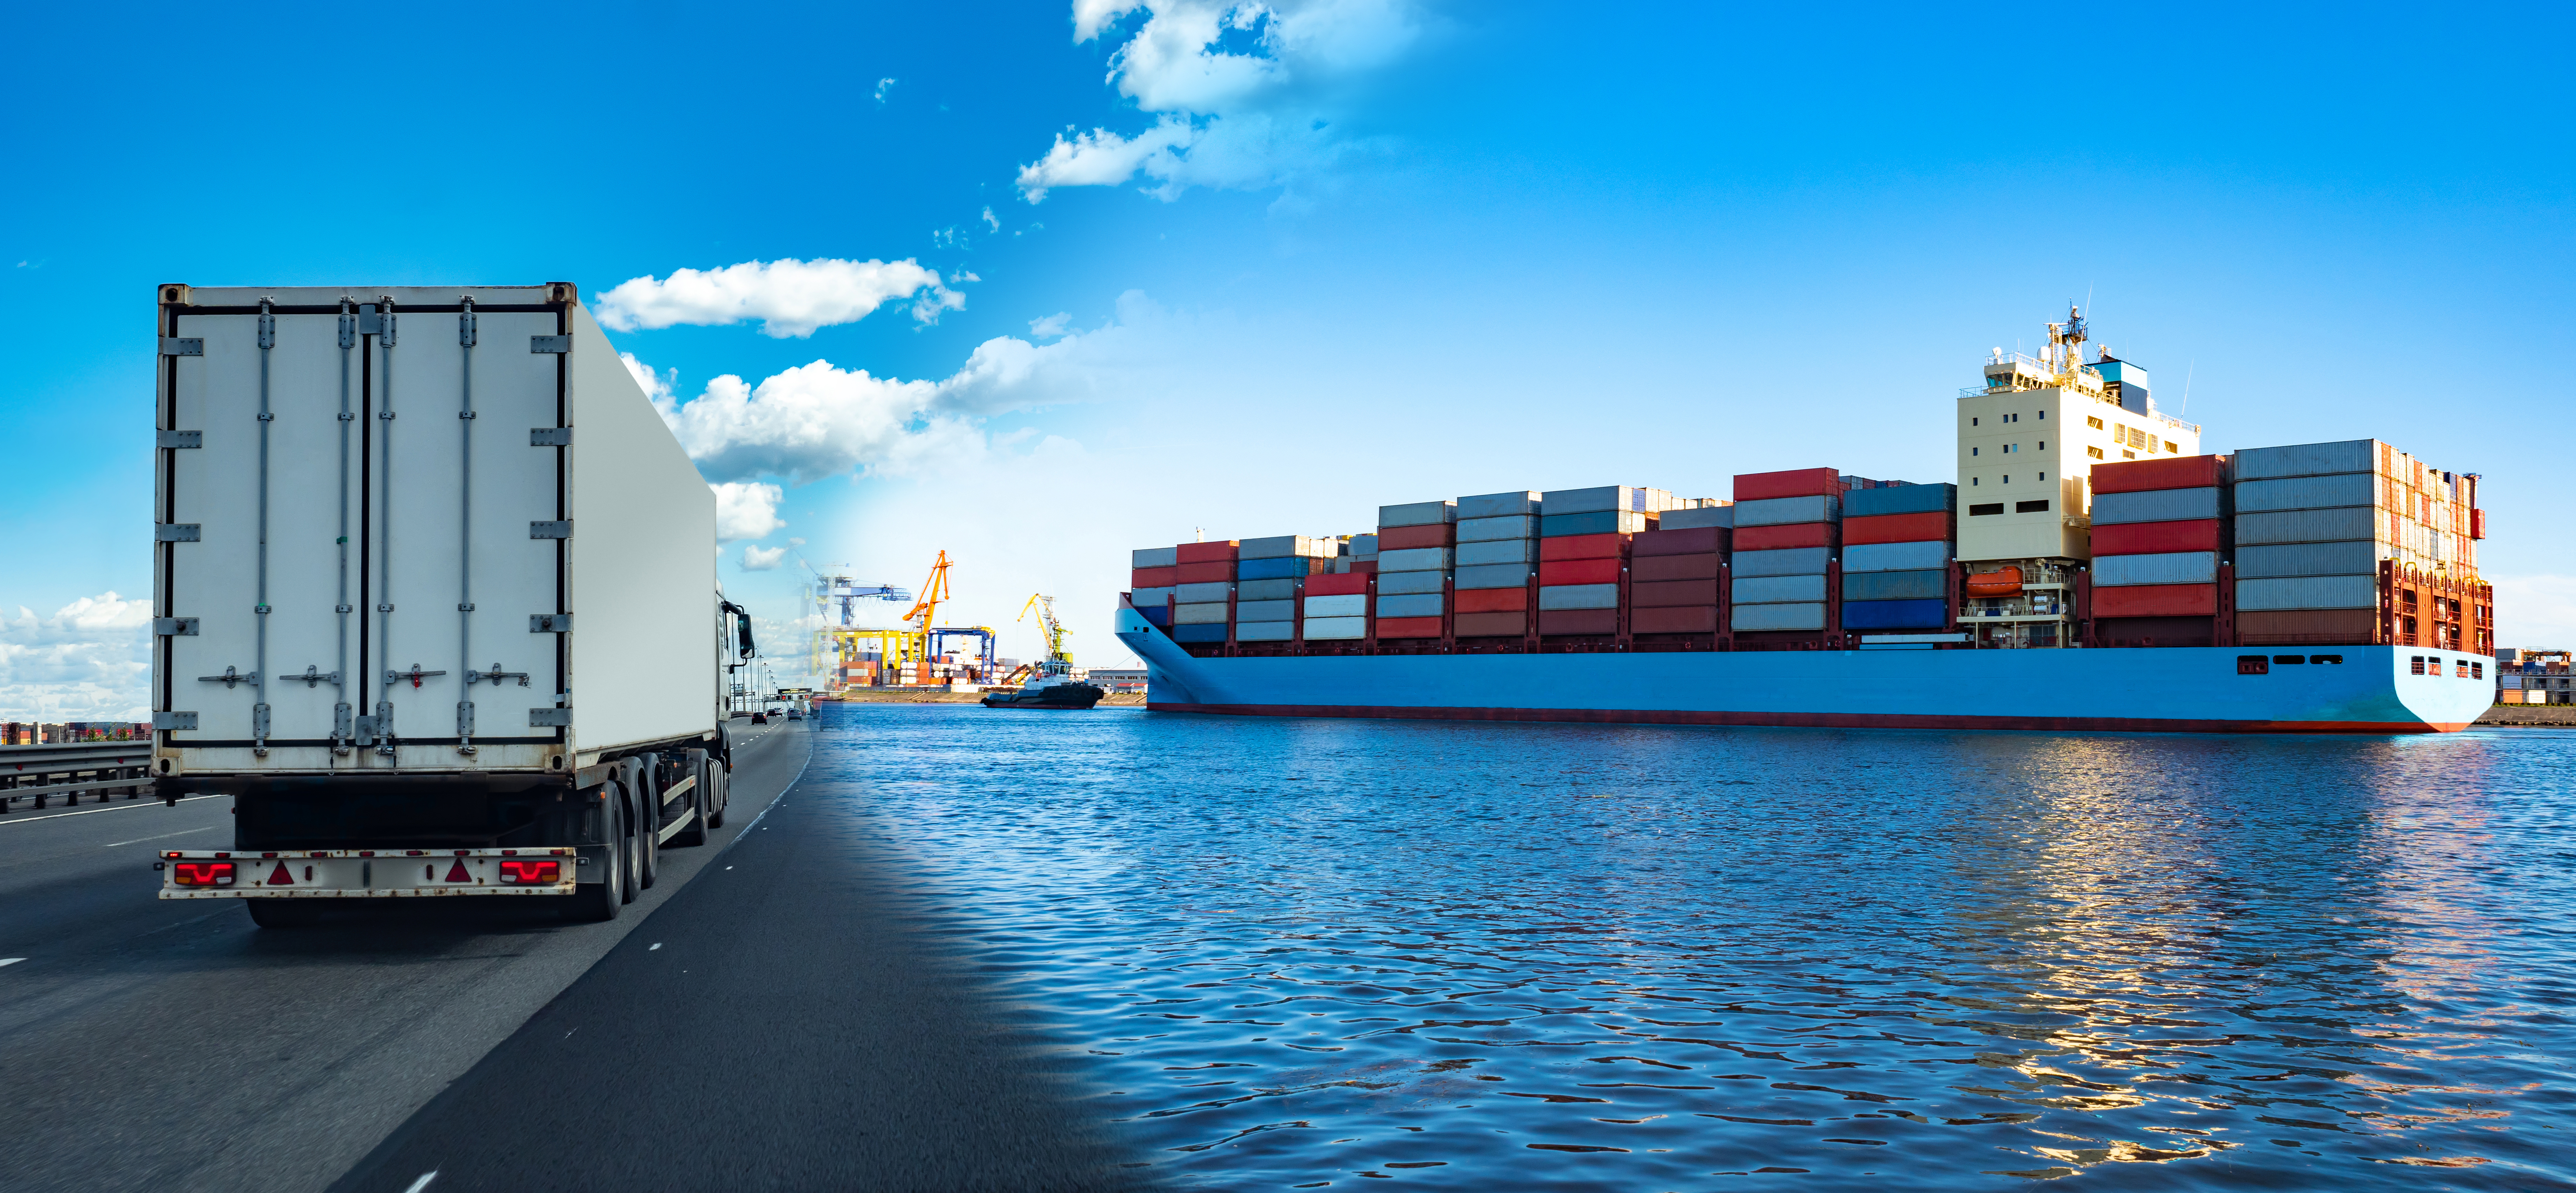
(1308,258)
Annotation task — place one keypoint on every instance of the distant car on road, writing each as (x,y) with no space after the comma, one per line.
(760,718)
(796,714)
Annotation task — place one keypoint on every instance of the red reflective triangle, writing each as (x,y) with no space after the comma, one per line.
(279,876)
(456,873)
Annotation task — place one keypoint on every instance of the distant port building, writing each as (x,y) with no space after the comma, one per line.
(2534,677)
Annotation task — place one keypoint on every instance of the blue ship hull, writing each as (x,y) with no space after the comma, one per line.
(2167,689)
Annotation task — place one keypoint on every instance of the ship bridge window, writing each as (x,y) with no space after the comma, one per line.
(2094,423)
(2043,416)
(1972,451)
(1979,511)
(2172,446)
(2477,670)
(2415,665)
(2031,507)
(1972,422)
(2325,658)
(2094,452)
(2253,664)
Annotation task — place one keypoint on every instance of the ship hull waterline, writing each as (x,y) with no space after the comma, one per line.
(2146,690)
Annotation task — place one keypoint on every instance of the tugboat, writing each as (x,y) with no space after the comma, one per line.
(1051,684)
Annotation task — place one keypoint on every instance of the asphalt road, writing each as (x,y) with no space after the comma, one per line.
(158,1045)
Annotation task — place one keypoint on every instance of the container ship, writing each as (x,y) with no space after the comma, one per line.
(2090,569)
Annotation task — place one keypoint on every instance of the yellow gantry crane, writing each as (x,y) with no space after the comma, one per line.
(933,591)
(1056,661)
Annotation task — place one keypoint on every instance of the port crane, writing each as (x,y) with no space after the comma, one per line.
(1056,662)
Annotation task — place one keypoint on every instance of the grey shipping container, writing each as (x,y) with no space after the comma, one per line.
(1498,551)
(1416,559)
(1280,546)
(1265,631)
(2357,558)
(1208,614)
(1155,557)
(1418,513)
(1757,618)
(2169,567)
(1329,629)
(1775,590)
(1363,546)
(2308,592)
(1896,586)
(1695,519)
(1788,511)
(1341,605)
(2155,505)
(1389,583)
(1479,530)
(1901,499)
(1203,593)
(1627,498)
(1788,561)
(1265,610)
(2306,459)
(1264,590)
(2306,526)
(1896,557)
(1497,505)
(1496,575)
(1151,597)
(1578,596)
(1411,604)
(2307,492)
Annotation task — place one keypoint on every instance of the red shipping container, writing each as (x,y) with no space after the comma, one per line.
(1583,546)
(1153,577)
(2477,523)
(1493,625)
(1703,540)
(1408,627)
(1205,573)
(1580,571)
(1406,538)
(1672,567)
(1337,584)
(1686,619)
(1578,621)
(1206,552)
(1936,526)
(1795,534)
(2151,538)
(1797,482)
(2157,600)
(1364,567)
(2171,472)
(1491,600)
(1673,592)
(2292,627)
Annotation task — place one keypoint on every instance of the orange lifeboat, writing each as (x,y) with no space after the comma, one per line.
(2004,582)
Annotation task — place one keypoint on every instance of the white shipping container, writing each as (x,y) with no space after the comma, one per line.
(2155,505)
(1154,557)
(1760,618)
(1203,592)
(1391,583)
(1335,629)
(1786,561)
(1788,511)
(2167,567)
(1208,614)
(1265,610)
(1345,605)
(1516,526)
(1265,631)
(2307,493)
(2308,592)
(1496,505)
(2358,558)
(1497,551)
(1896,557)
(1416,559)
(1777,590)
(1411,604)
(1578,596)
(1418,513)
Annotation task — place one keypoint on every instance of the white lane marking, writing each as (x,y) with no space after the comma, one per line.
(181,833)
(95,811)
(656,944)
(11,960)
(423,1182)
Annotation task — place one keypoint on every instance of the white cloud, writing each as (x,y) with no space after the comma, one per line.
(1227,119)
(1051,327)
(883,86)
(90,661)
(759,559)
(991,220)
(746,510)
(790,297)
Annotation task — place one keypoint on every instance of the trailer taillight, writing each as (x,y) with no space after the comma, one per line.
(531,872)
(202,873)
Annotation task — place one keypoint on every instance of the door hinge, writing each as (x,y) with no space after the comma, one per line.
(174,532)
(550,530)
(540,717)
(182,439)
(173,720)
(550,623)
(169,627)
(541,345)
(550,436)
(175,346)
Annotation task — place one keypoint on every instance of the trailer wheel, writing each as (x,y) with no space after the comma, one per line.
(628,868)
(598,902)
(648,836)
(700,800)
(720,777)
(285,913)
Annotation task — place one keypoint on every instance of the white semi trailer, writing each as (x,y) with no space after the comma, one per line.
(436,601)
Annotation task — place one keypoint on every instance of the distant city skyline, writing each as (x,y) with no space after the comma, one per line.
(1042,284)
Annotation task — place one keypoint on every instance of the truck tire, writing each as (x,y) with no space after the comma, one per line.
(629,869)
(695,833)
(285,913)
(720,777)
(598,902)
(648,832)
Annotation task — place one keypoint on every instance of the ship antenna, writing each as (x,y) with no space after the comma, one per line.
(2185,408)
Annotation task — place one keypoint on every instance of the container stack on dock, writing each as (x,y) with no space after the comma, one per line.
(1584,537)
(1416,551)
(1677,570)
(2159,536)
(1203,608)
(1898,541)
(1270,577)
(1787,533)
(2314,524)
(1498,541)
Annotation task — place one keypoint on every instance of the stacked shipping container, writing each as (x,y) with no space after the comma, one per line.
(1416,552)
(1677,572)
(1898,541)
(1584,536)
(2314,522)
(1203,592)
(1498,545)
(1270,575)
(1153,573)
(2159,536)
(1787,534)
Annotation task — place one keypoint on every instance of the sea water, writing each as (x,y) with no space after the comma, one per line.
(1299,953)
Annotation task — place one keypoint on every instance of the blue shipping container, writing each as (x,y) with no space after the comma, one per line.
(1901,499)
(1600,522)
(1284,567)
(1198,633)
(1158,614)
(1895,615)
(1897,586)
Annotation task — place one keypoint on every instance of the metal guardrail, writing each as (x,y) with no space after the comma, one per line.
(31,776)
